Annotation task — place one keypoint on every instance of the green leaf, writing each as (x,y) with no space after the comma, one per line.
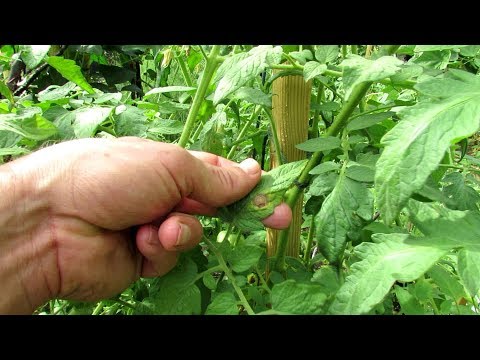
(368,120)
(301,56)
(245,70)
(447,282)
(323,143)
(328,279)
(326,53)
(28,123)
(229,63)
(54,92)
(175,293)
(15,150)
(63,120)
(70,71)
(417,144)
(243,257)
(470,50)
(291,297)
(433,59)
(312,69)
(5,91)
(469,270)
(357,69)
(360,173)
(421,48)
(32,55)
(167,89)
(394,257)
(209,281)
(323,184)
(324,167)
(130,122)
(464,197)
(344,211)
(88,119)
(326,106)
(223,304)
(166,127)
(248,212)
(254,96)
(409,305)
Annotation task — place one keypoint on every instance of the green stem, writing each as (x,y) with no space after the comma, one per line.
(125,304)
(239,141)
(316,116)
(197,132)
(229,274)
(208,271)
(244,130)
(276,143)
(354,49)
(184,70)
(98,308)
(292,195)
(308,247)
(262,280)
(210,68)
(344,51)
(203,52)
(293,62)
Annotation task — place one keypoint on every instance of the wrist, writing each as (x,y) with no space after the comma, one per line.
(27,248)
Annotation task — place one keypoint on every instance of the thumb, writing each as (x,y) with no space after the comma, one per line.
(220,182)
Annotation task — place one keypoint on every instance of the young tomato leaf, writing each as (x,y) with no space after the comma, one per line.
(312,69)
(131,122)
(246,69)
(417,144)
(357,69)
(167,89)
(469,270)
(243,257)
(322,143)
(223,304)
(290,297)
(408,303)
(88,119)
(463,197)
(70,71)
(365,121)
(324,167)
(326,53)
(32,55)
(344,211)
(28,123)
(175,293)
(394,257)
(448,283)
(5,91)
(248,212)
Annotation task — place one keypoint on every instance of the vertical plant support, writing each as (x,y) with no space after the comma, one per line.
(290,112)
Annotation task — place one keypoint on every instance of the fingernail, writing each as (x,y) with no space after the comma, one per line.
(183,235)
(250,166)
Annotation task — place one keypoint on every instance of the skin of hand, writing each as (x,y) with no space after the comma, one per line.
(83,219)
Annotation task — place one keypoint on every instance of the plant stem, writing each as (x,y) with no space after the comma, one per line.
(316,116)
(184,70)
(239,141)
(208,271)
(229,274)
(262,280)
(210,68)
(354,49)
(244,130)
(98,308)
(124,303)
(308,247)
(344,51)
(276,143)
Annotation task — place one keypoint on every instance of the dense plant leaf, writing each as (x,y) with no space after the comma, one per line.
(88,119)
(365,121)
(244,256)
(312,69)
(5,91)
(167,127)
(463,197)
(245,70)
(469,270)
(168,89)
(357,69)
(393,257)
(290,297)
(344,210)
(131,122)
(447,283)
(70,71)
(254,96)
(324,167)
(32,55)
(223,304)
(417,144)
(28,123)
(320,144)
(326,53)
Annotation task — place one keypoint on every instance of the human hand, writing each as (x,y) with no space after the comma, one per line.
(88,217)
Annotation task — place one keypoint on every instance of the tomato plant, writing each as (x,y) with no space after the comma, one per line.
(385,178)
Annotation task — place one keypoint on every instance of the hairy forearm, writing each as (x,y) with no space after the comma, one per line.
(26,247)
